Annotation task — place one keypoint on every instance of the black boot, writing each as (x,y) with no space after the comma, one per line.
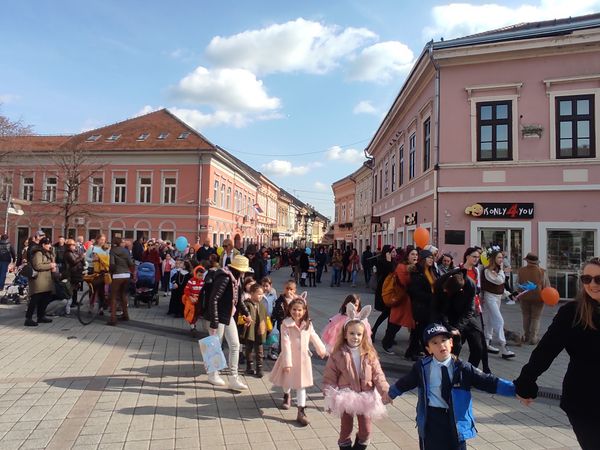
(249,369)
(259,370)
(358,446)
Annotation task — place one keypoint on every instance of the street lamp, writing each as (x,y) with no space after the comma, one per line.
(305,218)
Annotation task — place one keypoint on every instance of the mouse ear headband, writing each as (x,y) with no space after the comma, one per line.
(355,316)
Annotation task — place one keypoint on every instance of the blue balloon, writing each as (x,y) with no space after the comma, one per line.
(307,250)
(181,243)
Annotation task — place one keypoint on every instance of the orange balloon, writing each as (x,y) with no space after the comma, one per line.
(550,296)
(421,237)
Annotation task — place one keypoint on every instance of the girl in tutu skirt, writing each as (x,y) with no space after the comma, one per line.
(353,382)
(330,333)
(293,368)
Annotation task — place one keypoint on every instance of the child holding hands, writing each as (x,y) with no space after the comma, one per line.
(255,335)
(354,384)
(444,408)
(293,368)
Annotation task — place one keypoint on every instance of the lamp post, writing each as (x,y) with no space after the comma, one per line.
(304,218)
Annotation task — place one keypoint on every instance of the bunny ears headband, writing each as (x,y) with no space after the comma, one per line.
(303,297)
(355,316)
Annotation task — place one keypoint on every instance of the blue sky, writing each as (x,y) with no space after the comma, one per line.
(295,89)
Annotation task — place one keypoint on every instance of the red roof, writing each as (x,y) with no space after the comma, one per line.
(159,130)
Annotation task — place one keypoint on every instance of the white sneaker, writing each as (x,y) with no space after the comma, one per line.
(68,309)
(511,302)
(506,353)
(493,350)
(215,379)
(236,384)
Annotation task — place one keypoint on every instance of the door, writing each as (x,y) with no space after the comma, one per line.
(22,236)
(510,240)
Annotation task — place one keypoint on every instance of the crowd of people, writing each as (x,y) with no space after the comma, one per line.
(443,303)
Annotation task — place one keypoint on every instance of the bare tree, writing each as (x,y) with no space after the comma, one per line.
(9,128)
(77,169)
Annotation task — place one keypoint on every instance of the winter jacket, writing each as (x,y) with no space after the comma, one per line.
(303,264)
(464,377)
(257,331)
(204,253)
(336,262)
(41,261)
(295,354)
(120,260)
(421,295)
(340,372)
(137,251)
(278,313)
(455,312)
(258,265)
(221,302)
(74,263)
(321,259)
(401,314)
(581,394)
(535,274)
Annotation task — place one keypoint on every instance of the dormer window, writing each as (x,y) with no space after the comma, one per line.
(162,136)
(93,138)
(143,136)
(113,137)
(183,135)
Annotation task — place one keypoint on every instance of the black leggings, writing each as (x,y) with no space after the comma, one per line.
(384,315)
(38,303)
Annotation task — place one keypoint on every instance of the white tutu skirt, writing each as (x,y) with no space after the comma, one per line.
(367,403)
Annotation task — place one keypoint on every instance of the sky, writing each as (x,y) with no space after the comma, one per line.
(296,89)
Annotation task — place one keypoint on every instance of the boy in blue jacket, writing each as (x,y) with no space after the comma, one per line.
(444,408)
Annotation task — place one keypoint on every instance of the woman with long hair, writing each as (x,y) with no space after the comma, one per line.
(576,329)
(384,266)
(420,289)
(492,289)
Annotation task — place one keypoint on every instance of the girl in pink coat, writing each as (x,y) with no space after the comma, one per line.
(293,368)
(353,382)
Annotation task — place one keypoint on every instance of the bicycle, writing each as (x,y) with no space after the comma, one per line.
(88,306)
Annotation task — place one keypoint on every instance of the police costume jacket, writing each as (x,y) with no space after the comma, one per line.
(464,377)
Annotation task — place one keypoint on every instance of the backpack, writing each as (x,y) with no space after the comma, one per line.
(391,291)
(5,251)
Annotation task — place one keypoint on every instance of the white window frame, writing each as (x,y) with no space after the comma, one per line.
(228,197)
(222,204)
(215,193)
(169,191)
(144,191)
(412,156)
(49,194)
(96,189)
(121,187)
(6,186)
(27,188)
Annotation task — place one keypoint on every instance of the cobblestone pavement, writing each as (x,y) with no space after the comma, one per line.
(142,386)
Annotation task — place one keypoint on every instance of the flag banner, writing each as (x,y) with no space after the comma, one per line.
(257,208)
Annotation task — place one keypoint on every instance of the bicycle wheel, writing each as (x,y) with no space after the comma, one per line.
(87,308)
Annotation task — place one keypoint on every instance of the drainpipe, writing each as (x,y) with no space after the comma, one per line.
(199,197)
(436,167)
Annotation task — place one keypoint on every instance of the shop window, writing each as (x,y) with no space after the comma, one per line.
(48,233)
(567,251)
(93,233)
(167,236)
(494,131)
(575,127)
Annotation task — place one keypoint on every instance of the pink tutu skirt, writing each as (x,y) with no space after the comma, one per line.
(332,330)
(366,403)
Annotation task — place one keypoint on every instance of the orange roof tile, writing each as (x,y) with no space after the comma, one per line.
(31,143)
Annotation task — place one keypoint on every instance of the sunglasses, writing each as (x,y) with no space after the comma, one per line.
(587,279)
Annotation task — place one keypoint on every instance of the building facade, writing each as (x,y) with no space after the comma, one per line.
(150,176)
(493,139)
(344,192)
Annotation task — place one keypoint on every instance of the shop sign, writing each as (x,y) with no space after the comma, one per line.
(501,210)
(375,219)
(349,237)
(410,219)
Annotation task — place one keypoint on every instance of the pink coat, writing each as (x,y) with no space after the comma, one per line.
(296,355)
(340,372)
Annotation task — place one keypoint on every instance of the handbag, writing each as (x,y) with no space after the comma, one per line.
(212,353)
(269,324)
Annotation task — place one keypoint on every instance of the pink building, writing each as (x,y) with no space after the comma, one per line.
(493,139)
(150,175)
(343,192)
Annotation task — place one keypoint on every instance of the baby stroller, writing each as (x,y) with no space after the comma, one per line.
(145,286)
(15,291)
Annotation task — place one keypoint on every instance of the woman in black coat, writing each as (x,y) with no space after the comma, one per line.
(384,266)
(420,290)
(576,329)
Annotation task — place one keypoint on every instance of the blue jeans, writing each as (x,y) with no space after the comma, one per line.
(3,270)
(354,273)
(335,276)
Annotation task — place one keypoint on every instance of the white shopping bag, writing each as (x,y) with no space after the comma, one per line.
(212,354)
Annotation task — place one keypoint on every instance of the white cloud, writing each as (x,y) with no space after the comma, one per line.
(200,120)
(462,19)
(322,187)
(147,109)
(232,90)
(381,62)
(350,155)
(364,107)
(8,98)
(285,168)
(299,45)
